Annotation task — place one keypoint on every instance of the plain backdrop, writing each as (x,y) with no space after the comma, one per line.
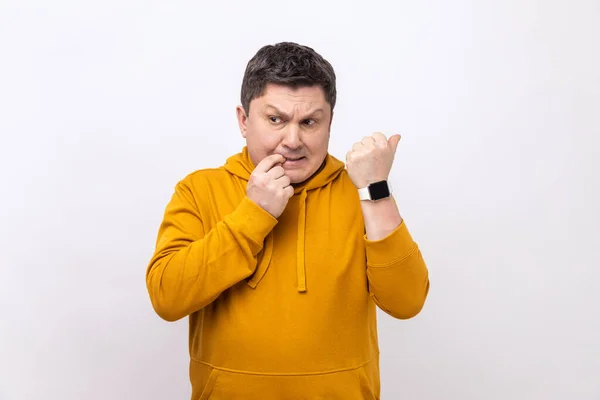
(105,106)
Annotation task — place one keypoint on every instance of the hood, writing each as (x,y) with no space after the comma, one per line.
(242,166)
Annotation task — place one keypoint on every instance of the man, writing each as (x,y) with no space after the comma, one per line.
(280,256)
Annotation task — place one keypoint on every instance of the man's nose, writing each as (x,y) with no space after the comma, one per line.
(291,137)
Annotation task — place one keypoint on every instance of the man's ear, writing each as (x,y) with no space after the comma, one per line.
(242,119)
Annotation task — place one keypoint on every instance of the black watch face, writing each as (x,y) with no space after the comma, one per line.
(379,190)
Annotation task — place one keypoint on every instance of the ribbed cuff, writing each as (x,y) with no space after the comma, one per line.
(398,245)
(252,220)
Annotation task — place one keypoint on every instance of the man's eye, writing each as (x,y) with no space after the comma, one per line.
(309,122)
(275,120)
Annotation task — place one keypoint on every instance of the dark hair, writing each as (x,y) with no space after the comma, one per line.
(290,64)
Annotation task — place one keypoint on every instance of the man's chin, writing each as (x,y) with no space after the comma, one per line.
(301,175)
(297,176)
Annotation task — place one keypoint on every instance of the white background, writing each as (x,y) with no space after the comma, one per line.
(104,106)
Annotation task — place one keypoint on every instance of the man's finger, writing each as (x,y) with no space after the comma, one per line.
(393,141)
(368,141)
(289,190)
(276,172)
(380,138)
(283,181)
(269,161)
(357,146)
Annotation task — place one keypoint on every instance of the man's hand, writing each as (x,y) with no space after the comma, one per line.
(371,159)
(268,185)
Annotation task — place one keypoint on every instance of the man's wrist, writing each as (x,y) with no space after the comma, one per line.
(375,191)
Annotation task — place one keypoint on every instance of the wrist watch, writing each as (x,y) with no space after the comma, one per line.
(376,191)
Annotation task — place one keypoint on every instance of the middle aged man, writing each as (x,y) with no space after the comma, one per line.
(280,256)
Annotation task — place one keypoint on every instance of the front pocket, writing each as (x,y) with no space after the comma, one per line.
(358,383)
(210,384)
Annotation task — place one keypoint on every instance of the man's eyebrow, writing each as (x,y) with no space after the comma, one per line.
(318,110)
(279,112)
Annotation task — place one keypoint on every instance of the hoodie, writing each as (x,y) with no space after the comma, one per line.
(280,308)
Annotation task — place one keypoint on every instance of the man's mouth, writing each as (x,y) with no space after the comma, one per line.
(293,162)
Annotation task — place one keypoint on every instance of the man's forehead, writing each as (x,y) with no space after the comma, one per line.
(309,99)
(306,107)
(294,93)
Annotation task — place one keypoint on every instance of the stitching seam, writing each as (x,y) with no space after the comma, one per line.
(282,373)
(392,263)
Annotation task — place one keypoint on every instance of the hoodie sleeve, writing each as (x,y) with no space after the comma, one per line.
(398,276)
(190,267)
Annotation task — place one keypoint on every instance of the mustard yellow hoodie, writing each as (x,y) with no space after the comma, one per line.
(280,308)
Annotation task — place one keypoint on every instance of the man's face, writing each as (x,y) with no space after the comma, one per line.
(292,122)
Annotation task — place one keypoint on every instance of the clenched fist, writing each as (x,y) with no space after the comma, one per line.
(371,159)
(268,185)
